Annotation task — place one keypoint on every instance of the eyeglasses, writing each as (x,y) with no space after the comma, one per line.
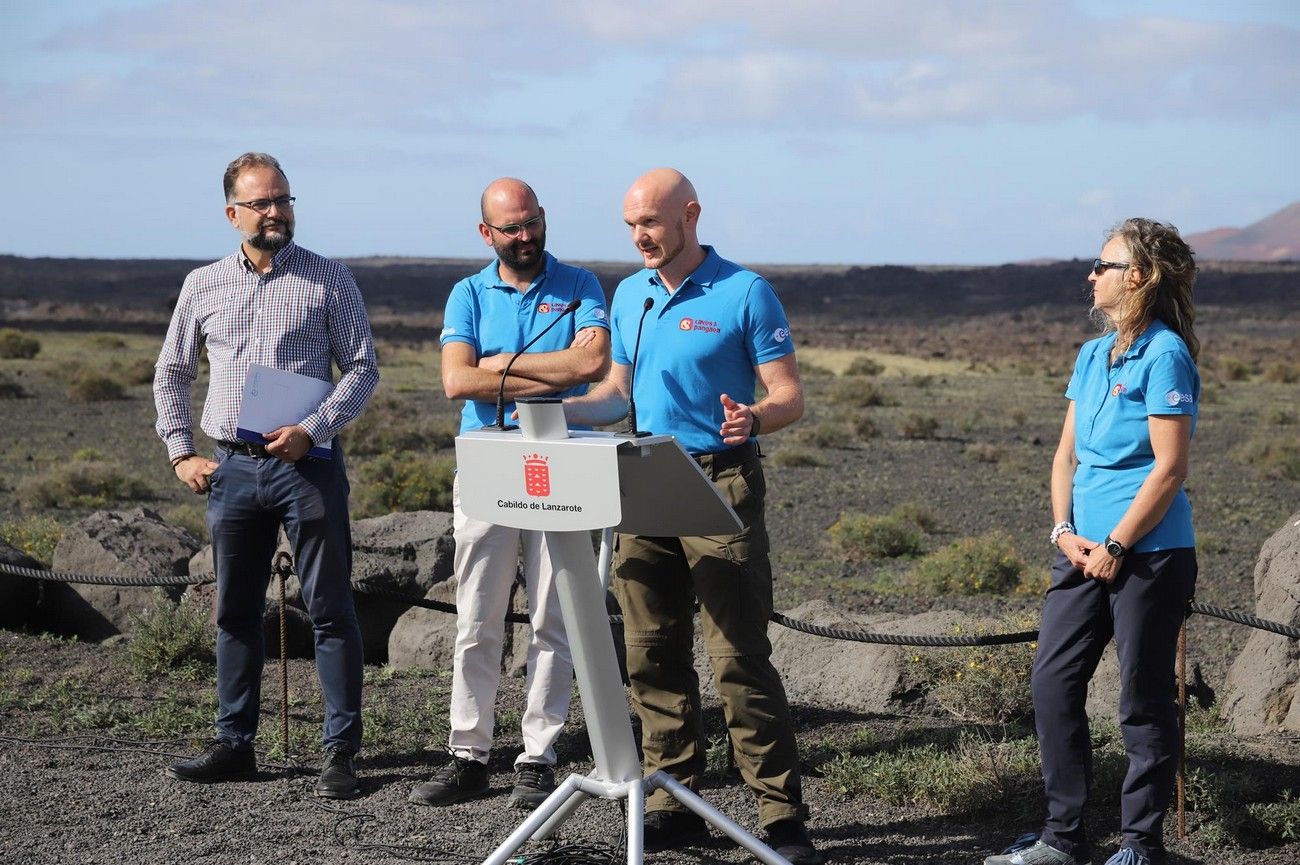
(515,228)
(1101,265)
(263,205)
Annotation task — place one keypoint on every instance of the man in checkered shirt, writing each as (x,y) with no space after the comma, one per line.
(276,304)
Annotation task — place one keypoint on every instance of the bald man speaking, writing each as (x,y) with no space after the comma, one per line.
(712,329)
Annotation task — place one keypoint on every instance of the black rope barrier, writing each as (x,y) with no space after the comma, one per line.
(1245,619)
(779,618)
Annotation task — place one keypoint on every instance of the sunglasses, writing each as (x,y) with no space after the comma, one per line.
(1101,265)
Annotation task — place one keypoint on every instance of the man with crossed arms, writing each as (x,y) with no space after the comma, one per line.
(489,317)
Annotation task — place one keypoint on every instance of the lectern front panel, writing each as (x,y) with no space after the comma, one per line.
(561,485)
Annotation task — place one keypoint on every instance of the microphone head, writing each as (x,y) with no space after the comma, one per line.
(649,302)
(574,305)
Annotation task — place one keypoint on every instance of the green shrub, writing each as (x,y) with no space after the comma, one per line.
(983,452)
(80,484)
(406,482)
(1280,821)
(796,457)
(140,370)
(856,391)
(1282,372)
(864,427)
(920,426)
(985,684)
(90,386)
(917,514)
(191,517)
(1234,369)
(865,536)
(1278,456)
(865,366)
(970,777)
(11,390)
(36,535)
(107,340)
(824,435)
(16,344)
(983,565)
(170,638)
(391,425)
(1280,417)
(812,370)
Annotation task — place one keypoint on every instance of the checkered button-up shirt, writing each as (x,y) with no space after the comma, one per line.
(303,314)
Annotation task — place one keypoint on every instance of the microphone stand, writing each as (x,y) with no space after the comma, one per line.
(632,431)
(500,425)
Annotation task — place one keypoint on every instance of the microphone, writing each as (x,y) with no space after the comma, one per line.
(631,384)
(501,391)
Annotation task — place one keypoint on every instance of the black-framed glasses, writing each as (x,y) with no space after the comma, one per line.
(1101,265)
(515,228)
(263,205)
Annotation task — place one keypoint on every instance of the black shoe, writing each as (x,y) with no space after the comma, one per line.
(218,762)
(533,783)
(669,830)
(338,777)
(790,840)
(455,782)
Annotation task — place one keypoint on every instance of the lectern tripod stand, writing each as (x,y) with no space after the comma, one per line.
(566,487)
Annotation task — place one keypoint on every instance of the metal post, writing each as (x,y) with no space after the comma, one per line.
(1181,820)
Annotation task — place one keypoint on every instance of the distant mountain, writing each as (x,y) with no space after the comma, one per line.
(1273,238)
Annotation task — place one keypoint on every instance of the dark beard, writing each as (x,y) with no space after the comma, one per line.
(266,243)
(506,253)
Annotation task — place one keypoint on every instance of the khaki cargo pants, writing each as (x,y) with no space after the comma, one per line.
(657,583)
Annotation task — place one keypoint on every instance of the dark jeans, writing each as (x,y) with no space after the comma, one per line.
(250,499)
(1143,610)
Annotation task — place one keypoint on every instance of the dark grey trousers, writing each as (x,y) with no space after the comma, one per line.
(1143,610)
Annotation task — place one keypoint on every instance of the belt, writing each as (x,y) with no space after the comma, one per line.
(248,449)
(730,458)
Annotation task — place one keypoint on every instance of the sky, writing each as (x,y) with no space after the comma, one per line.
(822,131)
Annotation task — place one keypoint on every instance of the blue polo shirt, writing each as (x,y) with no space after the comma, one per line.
(494,318)
(700,341)
(1112,402)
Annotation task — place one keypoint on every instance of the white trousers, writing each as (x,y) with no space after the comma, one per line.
(486,560)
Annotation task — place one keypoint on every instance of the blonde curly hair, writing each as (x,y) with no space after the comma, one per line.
(1166,275)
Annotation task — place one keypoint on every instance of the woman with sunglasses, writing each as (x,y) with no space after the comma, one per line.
(1126,566)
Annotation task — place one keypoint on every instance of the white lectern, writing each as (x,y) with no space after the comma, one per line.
(565,487)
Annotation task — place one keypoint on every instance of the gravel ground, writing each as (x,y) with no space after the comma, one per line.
(92,796)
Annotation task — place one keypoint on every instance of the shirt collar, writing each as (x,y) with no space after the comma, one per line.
(490,276)
(277,261)
(1156,326)
(703,276)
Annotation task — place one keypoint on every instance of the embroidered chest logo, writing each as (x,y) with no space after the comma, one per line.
(537,475)
(1118,389)
(699,325)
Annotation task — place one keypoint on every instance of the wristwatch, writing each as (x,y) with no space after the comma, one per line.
(1114,548)
(753,425)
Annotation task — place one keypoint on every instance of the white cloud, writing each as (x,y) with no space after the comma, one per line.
(425,68)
